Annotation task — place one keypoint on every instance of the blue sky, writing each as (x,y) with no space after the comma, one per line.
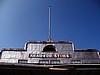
(71,20)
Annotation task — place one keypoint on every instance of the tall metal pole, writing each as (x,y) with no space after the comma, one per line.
(49,27)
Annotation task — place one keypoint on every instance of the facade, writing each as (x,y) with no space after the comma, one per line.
(49,53)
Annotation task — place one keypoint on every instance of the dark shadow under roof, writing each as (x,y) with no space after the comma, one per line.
(11,69)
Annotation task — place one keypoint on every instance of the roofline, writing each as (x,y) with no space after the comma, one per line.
(52,42)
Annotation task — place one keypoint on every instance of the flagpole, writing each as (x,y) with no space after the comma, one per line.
(49,25)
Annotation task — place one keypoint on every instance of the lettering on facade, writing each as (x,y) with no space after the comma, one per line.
(49,56)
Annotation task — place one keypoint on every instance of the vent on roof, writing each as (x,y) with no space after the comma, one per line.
(49,48)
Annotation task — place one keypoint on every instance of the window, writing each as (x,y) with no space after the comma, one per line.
(55,61)
(49,61)
(44,61)
(49,48)
(22,61)
(76,61)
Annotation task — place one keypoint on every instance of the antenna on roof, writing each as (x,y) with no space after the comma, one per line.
(49,25)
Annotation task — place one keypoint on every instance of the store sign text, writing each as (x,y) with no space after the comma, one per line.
(49,56)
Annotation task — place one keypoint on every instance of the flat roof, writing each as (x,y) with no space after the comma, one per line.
(50,42)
